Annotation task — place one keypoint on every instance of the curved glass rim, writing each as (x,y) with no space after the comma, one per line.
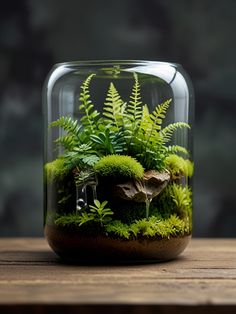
(115,62)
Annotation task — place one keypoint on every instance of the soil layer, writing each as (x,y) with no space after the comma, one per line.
(73,247)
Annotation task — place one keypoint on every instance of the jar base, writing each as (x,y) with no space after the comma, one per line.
(77,248)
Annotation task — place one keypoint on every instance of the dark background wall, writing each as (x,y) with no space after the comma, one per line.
(199,34)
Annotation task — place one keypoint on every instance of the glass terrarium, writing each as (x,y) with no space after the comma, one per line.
(118,160)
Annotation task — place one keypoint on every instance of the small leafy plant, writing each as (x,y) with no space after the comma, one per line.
(98,213)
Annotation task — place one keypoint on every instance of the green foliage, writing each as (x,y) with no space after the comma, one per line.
(108,142)
(178,166)
(119,143)
(176,149)
(113,109)
(55,170)
(148,227)
(68,220)
(181,197)
(152,227)
(72,129)
(90,115)
(134,107)
(119,166)
(122,129)
(152,149)
(83,177)
(100,213)
(175,199)
(168,131)
(68,124)
(133,115)
(159,115)
(81,157)
(119,229)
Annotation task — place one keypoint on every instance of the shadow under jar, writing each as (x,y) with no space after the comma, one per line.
(118,160)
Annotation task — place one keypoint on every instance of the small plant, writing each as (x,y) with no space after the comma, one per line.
(100,213)
(119,166)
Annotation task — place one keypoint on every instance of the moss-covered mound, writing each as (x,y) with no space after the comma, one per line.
(55,170)
(119,166)
(179,166)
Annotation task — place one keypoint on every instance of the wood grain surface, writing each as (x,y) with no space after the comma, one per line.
(201,280)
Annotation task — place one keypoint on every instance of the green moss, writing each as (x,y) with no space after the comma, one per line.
(68,220)
(55,169)
(152,227)
(119,166)
(175,199)
(189,167)
(178,166)
(149,227)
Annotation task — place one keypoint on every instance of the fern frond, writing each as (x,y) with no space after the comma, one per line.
(72,128)
(175,149)
(133,115)
(159,114)
(113,108)
(67,141)
(168,131)
(134,107)
(90,115)
(69,125)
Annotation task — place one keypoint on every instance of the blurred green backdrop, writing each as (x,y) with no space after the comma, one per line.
(198,34)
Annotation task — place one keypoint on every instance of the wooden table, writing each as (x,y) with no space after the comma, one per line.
(201,280)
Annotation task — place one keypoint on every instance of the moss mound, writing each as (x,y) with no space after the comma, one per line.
(55,170)
(179,166)
(119,166)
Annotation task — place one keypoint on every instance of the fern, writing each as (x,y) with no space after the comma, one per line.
(68,124)
(175,149)
(168,131)
(158,115)
(148,139)
(133,114)
(90,115)
(66,141)
(113,109)
(108,142)
(134,107)
(72,129)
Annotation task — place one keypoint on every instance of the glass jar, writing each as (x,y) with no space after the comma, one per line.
(118,160)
